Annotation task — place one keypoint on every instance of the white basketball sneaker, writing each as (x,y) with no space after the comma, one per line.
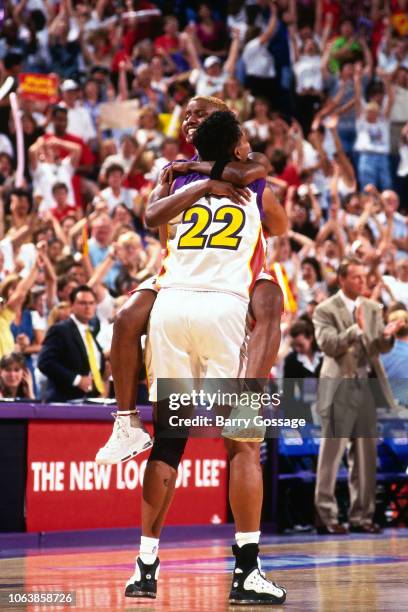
(127,440)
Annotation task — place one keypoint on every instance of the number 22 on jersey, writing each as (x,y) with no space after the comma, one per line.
(231,218)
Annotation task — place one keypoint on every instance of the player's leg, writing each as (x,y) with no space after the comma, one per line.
(249,584)
(245,482)
(264,341)
(220,336)
(169,359)
(128,438)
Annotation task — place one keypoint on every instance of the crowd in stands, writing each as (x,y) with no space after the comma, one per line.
(321,87)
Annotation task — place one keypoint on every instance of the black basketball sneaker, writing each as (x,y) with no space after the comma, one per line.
(249,584)
(143,583)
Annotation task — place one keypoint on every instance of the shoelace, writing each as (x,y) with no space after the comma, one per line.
(119,431)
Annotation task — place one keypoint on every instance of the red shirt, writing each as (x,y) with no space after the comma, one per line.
(87,157)
(60,213)
(290,175)
(169,44)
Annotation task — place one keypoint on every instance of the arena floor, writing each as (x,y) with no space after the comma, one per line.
(364,573)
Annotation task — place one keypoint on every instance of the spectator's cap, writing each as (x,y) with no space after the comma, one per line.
(303,190)
(69,85)
(212,60)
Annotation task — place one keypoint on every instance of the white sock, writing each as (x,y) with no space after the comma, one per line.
(247,537)
(148,549)
(125,412)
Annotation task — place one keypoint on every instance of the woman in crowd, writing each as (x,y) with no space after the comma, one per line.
(15,377)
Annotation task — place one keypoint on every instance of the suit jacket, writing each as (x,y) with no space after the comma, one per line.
(62,357)
(346,351)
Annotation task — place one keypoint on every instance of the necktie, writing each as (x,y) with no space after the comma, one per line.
(96,375)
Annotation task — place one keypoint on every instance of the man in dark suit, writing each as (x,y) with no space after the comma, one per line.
(70,357)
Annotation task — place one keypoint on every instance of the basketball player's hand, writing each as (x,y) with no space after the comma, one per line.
(237,195)
(176,167)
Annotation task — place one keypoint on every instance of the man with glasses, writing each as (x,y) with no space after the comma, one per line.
(70,357)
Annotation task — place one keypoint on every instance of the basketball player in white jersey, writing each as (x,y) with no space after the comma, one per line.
(197,327)
(128,437)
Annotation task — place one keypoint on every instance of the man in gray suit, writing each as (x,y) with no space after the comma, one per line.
(349,330)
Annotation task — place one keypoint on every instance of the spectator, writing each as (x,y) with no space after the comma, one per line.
(340,401)
(13,292)
(259,125)
(210,77)
(237,98)
(311,286)
(58,313)
(395,361)
(80,122)
(62,207)
(398,284)
(347,45)
(15,378)
(258,62)
(209,32)
(64,47)
(116,193)
(149,134)
(305,360)
(48,168)
(373,142)
(70,358)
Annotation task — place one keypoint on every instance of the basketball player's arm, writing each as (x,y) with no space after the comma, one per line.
(275,218)
(162,207)
(240,173)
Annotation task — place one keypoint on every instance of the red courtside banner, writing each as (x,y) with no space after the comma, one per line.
(41,87)
(67,490)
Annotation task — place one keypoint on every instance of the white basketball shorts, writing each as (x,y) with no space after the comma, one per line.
(195,334)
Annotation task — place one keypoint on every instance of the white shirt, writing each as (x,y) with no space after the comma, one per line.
(399,111)
(6,146)
(308,72)
(126,197)
(257,131)
(398,288)
(46,175)
(373,137)
(399,229)
(80,123)
(310,365)
(82,327)
(350,304)
(207,85)
(257,60)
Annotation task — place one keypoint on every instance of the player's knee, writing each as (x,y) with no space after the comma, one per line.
(248,451)
(132,318)
(267,302)
(168,450)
